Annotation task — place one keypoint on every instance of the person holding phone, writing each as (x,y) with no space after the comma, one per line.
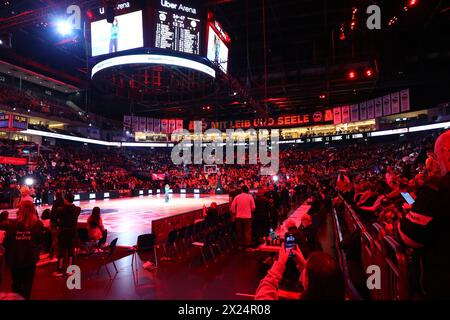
(320,277)
(425,226)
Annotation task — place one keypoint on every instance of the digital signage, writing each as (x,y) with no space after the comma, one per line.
(217,49)
(125,33)
(177,26)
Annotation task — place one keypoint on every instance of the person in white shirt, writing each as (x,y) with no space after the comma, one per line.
(242,209)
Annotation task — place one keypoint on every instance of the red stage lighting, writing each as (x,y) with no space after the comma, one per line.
(322,96)
(351,75)
(369,73)
(412,3)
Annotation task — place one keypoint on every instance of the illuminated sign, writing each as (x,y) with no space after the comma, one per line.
(119,7)
(175,6)
(282,121)
(153,59)
(12,122)
(178,28)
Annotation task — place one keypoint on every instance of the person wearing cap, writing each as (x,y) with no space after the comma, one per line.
(68,222)
(426,226)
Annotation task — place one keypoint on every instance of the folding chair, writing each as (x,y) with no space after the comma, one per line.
(85,242)
(145,242)
(107,258)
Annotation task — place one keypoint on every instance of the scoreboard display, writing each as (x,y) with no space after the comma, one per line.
(170,32)
(13,122)
(177,27)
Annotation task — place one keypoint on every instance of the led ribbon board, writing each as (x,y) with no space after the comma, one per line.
(153,59)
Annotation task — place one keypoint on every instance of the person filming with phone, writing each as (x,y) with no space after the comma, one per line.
(321,277)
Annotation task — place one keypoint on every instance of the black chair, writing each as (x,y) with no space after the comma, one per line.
(85,242)
(145,242)
(189,233)
(107,258)
(209,243)
(181,241)
(171,243)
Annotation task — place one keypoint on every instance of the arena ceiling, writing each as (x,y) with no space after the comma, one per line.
(306,64)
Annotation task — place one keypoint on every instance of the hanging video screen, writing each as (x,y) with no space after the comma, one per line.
(217,50)
(177,27)
(124,34)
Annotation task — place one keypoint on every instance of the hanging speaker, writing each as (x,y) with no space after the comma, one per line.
(110,13)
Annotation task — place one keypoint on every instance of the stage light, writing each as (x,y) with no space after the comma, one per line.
(275,178)
(351,75)
(412,3)
(322,96)
(64,27)
(369,73)
(29,181)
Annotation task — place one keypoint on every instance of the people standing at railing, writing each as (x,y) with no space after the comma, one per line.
(426,226)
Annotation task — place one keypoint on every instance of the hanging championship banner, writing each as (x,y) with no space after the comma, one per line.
(150,124)
(405,100)
(164,125)
(142,124)
(328,115)
(354,112)
(345,114)
(135,121)
(172,125)
(387,105)
(395,103)
(370,109)
(363,111)
(179,124)
(378,107)
(157,125)
(337,115)
(126,123)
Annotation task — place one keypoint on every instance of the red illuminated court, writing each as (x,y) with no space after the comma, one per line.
(126,218)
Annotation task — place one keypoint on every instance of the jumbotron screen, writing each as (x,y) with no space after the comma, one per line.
(217,50)
(177,27)
(125,33)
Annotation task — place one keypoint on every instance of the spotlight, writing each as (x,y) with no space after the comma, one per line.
(412,3)
(369,73)
(275,178)
(64,27)
(29,181)
(351,75)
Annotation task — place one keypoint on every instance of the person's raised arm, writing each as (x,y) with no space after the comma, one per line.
(269,286)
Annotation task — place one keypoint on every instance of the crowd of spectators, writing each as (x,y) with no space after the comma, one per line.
(28,100)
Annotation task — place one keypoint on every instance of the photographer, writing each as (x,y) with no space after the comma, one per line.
(320,277)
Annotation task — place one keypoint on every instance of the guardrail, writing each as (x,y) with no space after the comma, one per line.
(377,249)
(352,292)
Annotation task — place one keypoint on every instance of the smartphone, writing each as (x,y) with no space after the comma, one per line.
(289,243)
(408,198)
